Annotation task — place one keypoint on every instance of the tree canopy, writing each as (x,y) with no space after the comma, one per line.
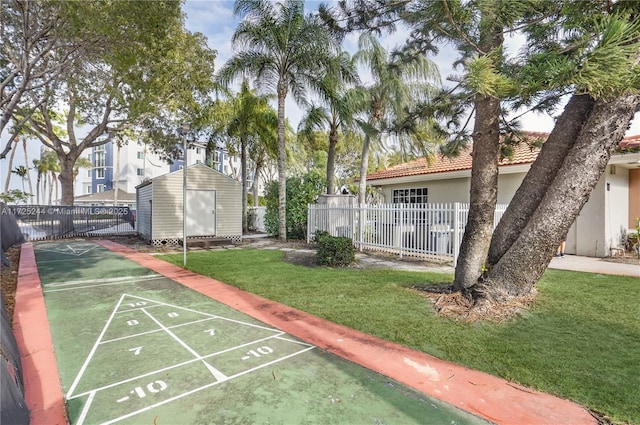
(587,50)
(112,66)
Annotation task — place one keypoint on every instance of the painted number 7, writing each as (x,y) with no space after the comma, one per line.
(136,350)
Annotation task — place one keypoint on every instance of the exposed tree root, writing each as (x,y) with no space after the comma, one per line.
(475,305)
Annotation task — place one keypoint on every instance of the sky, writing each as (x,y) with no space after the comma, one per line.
(215,19)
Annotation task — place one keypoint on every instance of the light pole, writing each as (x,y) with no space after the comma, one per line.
(184,131)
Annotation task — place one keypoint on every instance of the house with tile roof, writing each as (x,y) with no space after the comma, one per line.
(602,225)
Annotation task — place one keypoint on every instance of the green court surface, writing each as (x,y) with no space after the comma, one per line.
(134,347)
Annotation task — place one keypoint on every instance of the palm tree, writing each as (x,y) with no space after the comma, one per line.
(23,172)
(26,161)
(398,84)
(9,169)
(285,51)
(50,166)
(39,166)
(251,116)
(336,112)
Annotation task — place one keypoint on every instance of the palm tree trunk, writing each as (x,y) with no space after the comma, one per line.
(117,176)
(243,166)
(10,166)
(26,164)
(282,159)
(38,184)
(364,165)
(256,181)
(331,161)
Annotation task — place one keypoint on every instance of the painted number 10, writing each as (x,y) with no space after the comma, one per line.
(262,351)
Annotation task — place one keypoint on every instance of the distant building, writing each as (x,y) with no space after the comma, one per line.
(131,164)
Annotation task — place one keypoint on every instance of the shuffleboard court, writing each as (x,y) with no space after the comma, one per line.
(134,347)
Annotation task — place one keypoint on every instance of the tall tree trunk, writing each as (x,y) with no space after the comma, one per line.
(484,170)
(243,166)
(10,166)
(26,164)
(331,160)
(282,160)
(528,257)
(256,182)
(117,175)
(364,165)
(483,193)
(67,162)
(38,180)
(541,175)
(50,180)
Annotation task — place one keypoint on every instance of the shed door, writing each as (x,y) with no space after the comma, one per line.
(201,213)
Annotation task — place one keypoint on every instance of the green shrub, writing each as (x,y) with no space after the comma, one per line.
(334,251)
(301,191)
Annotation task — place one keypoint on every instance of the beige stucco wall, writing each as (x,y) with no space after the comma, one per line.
(457,190)
(634,197)
(617,207)
(603,220)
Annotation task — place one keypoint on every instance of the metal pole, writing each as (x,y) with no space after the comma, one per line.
(184,131)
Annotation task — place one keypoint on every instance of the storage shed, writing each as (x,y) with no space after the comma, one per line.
(214,206)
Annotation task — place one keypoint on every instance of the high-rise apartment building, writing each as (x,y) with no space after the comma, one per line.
(127,166)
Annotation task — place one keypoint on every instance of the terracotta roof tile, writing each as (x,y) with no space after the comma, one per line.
(523,154)
(630,142)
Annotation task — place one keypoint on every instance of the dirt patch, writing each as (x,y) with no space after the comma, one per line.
(9,278)
(461,307)
(301,258)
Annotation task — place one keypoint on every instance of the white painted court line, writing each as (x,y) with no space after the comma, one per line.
(156,330)
(218,375)
(74,253)
(164,369)
(293,340)
(215,372)
(93,349)
(204,387)
(105,280)
(46,291)
(207,314)
(85,408)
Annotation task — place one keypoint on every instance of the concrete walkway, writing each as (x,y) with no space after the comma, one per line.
(368,260)
(578,263)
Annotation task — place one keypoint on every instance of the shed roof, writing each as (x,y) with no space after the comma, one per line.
(199,165)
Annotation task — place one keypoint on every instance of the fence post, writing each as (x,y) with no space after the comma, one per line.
(358,212)
(456,232)
(308,222)
(400,239)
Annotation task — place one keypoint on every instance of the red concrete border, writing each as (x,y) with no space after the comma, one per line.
(43,391)
(484,395)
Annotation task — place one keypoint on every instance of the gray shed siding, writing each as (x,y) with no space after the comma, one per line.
(166,192)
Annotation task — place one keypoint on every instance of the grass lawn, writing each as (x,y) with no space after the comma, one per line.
(581,340)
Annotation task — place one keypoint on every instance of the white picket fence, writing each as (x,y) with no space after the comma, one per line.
(429,231)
